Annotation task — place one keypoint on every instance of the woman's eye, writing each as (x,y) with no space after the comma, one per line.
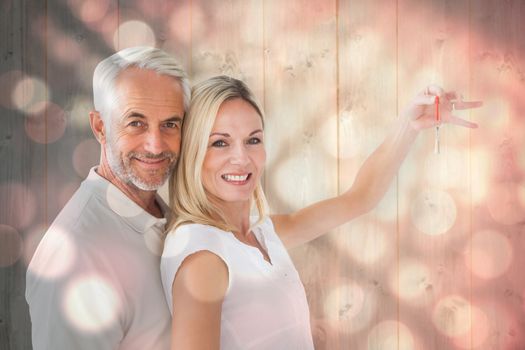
(219,143)
(254,141)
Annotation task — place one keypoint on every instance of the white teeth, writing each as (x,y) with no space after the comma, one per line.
(235,178)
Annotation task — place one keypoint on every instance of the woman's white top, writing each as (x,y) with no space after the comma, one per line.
(265,305)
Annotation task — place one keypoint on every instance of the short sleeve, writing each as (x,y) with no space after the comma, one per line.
(184,241)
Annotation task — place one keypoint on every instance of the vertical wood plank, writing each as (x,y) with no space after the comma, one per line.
(227,39)
(434,282)
(367,259)
(23,170)
(301,131)
(497,61)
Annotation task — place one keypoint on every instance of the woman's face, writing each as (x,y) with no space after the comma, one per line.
(235,157)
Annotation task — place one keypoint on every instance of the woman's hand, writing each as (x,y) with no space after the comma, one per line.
(422,113)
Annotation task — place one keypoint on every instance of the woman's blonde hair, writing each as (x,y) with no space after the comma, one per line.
(188,198)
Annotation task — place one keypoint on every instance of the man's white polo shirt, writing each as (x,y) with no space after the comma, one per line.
(94,280)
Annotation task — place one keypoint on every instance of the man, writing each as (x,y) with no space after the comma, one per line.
(94,281)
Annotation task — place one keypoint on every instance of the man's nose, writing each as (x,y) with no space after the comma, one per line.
(154,142)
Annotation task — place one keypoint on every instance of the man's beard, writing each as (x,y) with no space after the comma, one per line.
(120,164)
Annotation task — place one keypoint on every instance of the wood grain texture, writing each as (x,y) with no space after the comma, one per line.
(437,265)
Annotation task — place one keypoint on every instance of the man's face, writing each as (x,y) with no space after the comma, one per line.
(144,137)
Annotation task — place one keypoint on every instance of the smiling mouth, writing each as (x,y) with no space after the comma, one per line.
(236,179)
(150,162)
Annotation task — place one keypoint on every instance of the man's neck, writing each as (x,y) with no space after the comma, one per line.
(145,199)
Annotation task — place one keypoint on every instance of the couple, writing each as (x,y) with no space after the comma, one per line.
(225,277)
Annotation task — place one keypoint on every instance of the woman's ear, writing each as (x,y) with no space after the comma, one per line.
(97,126)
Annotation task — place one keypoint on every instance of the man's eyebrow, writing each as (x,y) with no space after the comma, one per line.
(174,118)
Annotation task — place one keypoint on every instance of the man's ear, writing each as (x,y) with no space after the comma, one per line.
(97,126)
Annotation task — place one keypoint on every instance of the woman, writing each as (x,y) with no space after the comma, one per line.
(228,279)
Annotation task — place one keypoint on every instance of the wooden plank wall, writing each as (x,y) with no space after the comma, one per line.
(437,265)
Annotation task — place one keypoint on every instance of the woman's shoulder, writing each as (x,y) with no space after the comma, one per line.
(192,236)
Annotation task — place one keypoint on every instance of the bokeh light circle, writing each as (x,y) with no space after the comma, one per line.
(478,333)
(133,33)
(504,204)
(8,83)
(85,156)
(389,335)
(349,308)
(11,245)
(451,316)
(57,256)
(45,122)
(91,304)
(433,212)
(154,239)
(411,281)
(489,254)
(29,92)
(22,207)
(365,241)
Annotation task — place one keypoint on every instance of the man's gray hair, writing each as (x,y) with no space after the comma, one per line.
(143,57)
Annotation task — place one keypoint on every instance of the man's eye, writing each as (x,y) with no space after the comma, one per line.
(219,143)
(136,124)
(172,125)
(254,141)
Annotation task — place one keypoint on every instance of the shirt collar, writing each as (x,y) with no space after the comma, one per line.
(122,205)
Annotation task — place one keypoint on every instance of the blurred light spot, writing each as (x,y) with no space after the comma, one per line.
(345,302)
(56,257)
(348,308)
(495,113)
(504,204)
(32,238)
(65,49)
(489,254)
(79,113)
(8,83)
(91,304)
(451,316)
(90,11)
(45,122)
(154,239)
(357,136)
(85,156)
(29,92)
(133,33)
(180,22)
(120,203)
(389,335)
(413,279)
(479,331)
(291,182)
(448,169)
(433,212)
(10,245)
(22,207)
(329,136)
(365,240)
(480,172)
